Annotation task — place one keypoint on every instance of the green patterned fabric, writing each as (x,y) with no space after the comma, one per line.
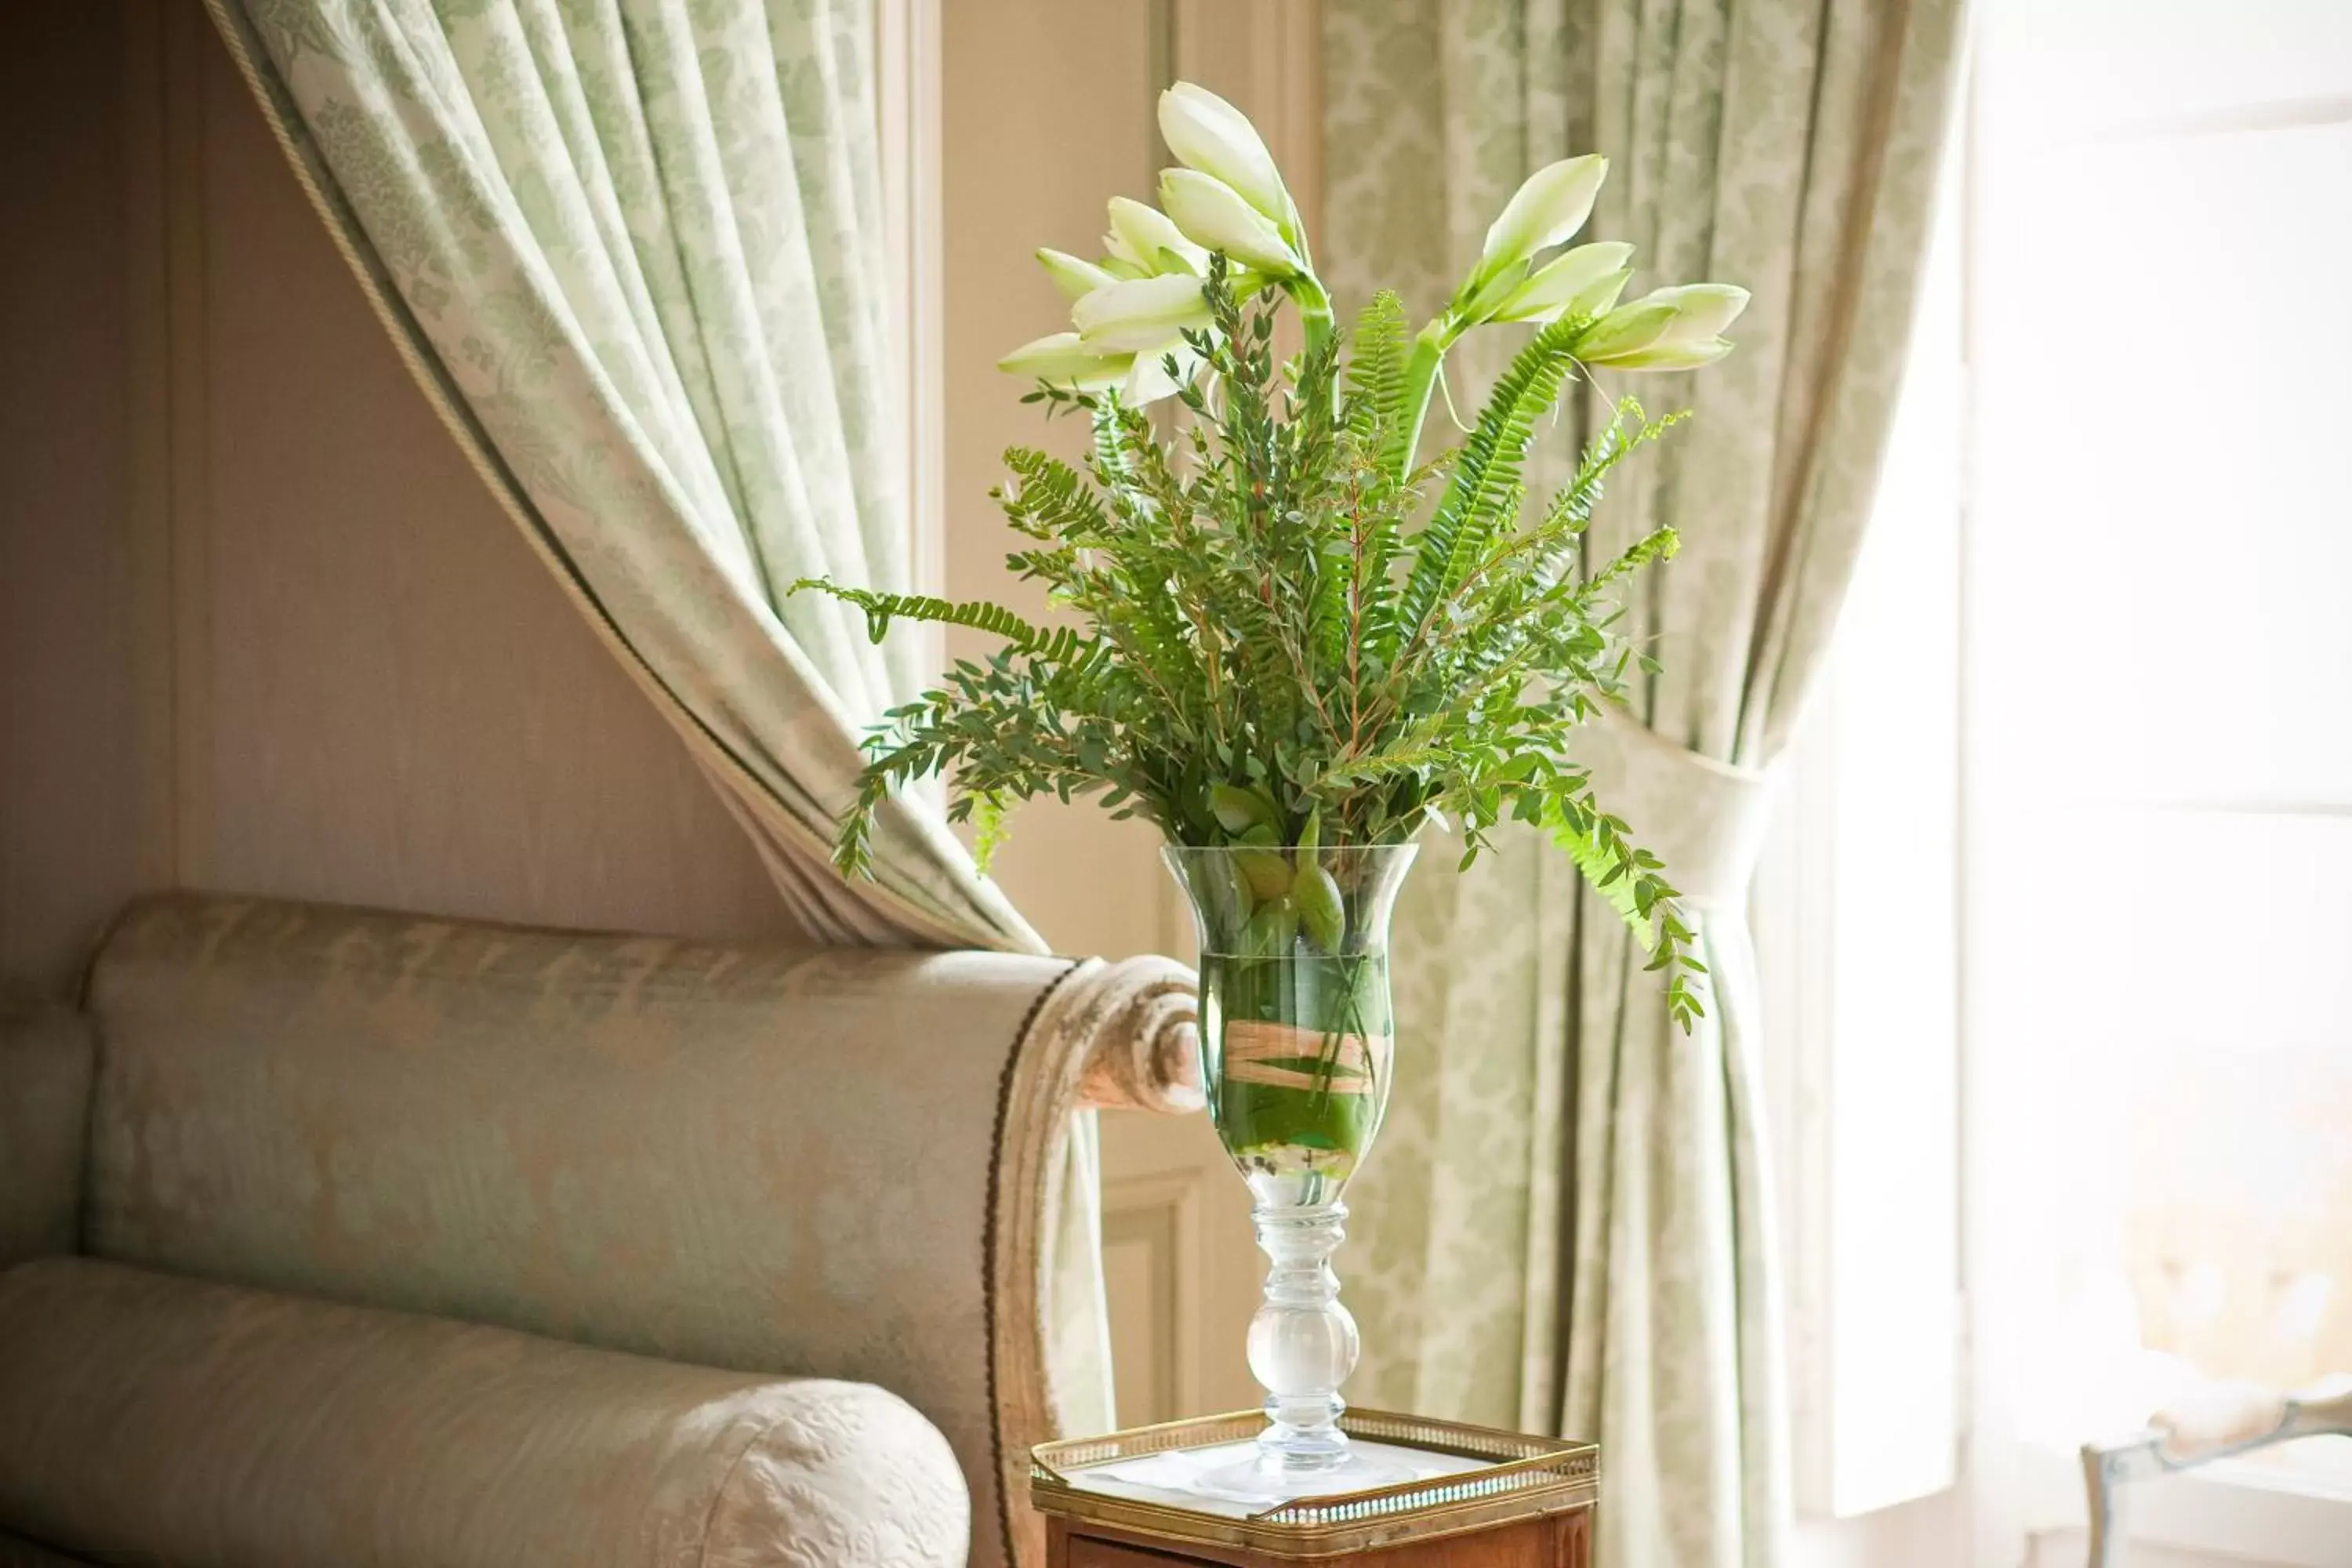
(1567,1227)
(632,250)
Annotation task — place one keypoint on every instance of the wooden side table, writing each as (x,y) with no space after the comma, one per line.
(1564,1541)
(1481,1499)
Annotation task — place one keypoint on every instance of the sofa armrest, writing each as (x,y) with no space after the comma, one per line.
(46,1061)
(1134,1025)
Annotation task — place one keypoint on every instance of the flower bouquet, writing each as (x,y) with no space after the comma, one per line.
(1293,644)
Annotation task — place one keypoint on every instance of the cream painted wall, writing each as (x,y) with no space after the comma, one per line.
(70,796)
(264,629)
(405,709)
(1046,112)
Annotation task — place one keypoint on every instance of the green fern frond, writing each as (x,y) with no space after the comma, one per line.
(881,609)
(1605,875)
(1048,499)
(1376,368)
(1659,544)
(1486,475)
(1629,430)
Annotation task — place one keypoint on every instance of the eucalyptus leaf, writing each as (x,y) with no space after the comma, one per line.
(1321,910)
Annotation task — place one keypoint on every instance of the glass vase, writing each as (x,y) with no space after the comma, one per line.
(1298,1045)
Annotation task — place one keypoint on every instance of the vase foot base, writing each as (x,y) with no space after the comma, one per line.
(1265,1479)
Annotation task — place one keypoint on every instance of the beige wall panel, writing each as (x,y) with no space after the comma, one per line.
(1184,1274)
(261,628)
(405,710)
(70,844)
(1045,113)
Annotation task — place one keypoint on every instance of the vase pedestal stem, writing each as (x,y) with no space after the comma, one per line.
(1302,1346)
(1302,1342)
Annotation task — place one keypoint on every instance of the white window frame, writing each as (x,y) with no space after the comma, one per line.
(908,76)
(1863,1101)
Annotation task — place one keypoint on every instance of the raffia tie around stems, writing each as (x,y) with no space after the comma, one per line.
(1259,1052)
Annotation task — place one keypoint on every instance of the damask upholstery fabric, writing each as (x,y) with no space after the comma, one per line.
(158,1419)
(45,1073)
(828,1162)
(1567,1227)
(634,253)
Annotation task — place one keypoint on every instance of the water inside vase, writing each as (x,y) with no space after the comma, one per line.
(1296,1027)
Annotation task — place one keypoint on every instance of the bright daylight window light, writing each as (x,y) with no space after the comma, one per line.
(1858,950)
(2159,648)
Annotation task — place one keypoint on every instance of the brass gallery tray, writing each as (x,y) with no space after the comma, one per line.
(1473,1477)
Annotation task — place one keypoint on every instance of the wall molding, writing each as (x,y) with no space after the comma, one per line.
(908,85)
(1161,1213)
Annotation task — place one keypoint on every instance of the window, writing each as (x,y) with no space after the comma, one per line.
(2134,655)
(2158,654)
(1858,953)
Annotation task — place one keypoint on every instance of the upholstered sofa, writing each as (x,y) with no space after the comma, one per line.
(339,1238)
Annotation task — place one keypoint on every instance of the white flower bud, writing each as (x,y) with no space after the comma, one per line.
(1209,135)
(1551,206)
(1142,237)
(1584,281)
(1147,315)
(1063,360)
(1213,214)
(1075,278)
(1668,329)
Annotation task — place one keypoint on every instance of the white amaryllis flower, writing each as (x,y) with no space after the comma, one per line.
(1210,136)
(1584,281)
(1142,237)
(1074,277)
(1551,206)
(1213,214)
(1668,329)
(1674,356)
(1062,359)
(1144,315)
(1150,380)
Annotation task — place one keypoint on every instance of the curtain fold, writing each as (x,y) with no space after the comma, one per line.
(1567,1226)
(633,252)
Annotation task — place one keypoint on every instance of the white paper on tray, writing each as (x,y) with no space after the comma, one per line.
(1166,1477)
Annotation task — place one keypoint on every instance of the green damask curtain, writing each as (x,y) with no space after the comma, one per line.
(633,251)
(1567,1227)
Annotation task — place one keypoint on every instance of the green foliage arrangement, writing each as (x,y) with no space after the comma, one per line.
(1280,630)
